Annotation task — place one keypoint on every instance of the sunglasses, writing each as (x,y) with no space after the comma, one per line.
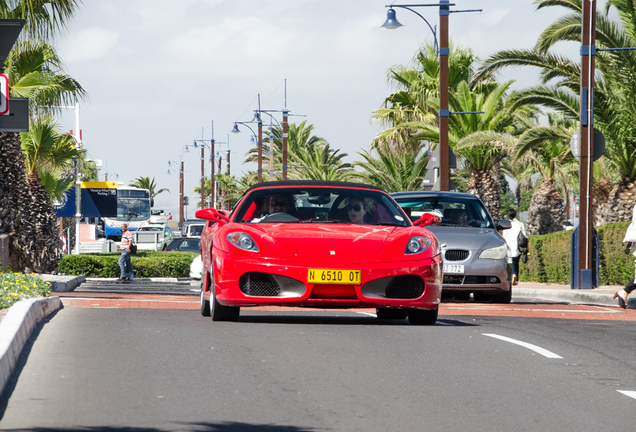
(356,207)
(279,203)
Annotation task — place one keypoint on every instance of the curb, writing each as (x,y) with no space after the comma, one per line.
(16,328)
(63,283)
(571,296)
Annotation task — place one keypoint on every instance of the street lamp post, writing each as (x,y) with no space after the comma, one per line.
(203,144)
(443,52)
(181,191)
(259,139)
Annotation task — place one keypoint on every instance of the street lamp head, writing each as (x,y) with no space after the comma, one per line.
(194,144)
(235,129)
(186,149)
(257,117)
(391,21)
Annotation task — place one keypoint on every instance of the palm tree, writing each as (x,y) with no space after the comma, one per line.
(614,96)
(299,137)
(19,210)
(403,171)
(43,17)
(319,162)
(45,150)
(147,183)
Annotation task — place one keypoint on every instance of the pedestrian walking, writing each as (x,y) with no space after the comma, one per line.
(512,239)
(125,263)
(630,239)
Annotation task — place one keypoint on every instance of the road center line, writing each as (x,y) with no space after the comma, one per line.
(631,394)
(539,350)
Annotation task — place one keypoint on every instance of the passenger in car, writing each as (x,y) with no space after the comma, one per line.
(357,209)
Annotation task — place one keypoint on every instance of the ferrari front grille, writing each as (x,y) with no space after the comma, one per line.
(259,285)
(405,287)
(456,254)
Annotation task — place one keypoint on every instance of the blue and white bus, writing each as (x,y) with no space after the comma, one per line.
(133,208)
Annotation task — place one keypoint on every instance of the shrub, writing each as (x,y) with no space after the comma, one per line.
(549,257)
(145,264)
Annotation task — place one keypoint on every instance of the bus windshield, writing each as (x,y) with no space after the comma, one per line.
(132,209)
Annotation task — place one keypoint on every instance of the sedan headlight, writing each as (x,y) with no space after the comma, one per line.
(499,252)
(243,241)
(417,244)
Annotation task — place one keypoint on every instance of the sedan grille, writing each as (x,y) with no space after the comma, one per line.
(259,285)
(456,254)
(406,287)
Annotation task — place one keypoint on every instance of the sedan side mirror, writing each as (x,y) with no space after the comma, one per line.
(504,224)
(428,219)
(213,215)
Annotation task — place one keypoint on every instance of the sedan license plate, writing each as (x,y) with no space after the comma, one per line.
(453,268)
(332,276)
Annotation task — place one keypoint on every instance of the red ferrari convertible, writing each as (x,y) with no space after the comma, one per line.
(320,244)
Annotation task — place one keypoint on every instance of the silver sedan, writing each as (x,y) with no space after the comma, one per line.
(475,255)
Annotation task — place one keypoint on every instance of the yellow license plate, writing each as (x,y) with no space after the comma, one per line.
(330,276)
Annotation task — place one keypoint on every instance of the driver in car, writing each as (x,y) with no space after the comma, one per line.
(278,204)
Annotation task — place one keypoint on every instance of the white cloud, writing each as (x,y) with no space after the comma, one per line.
(88,44)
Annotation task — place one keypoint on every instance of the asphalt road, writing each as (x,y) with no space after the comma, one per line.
(150,369)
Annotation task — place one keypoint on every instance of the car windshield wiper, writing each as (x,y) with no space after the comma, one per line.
(389,224)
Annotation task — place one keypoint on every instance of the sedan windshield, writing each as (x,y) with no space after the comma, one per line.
(454,211)
(319,205)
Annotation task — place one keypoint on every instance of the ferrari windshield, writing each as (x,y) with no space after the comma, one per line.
(319,205)
(454,211)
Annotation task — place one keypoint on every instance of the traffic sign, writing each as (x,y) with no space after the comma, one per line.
(4,94)
(599,144)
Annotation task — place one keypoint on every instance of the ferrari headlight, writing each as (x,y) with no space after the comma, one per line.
(417,244)
(499,252)
(243,241)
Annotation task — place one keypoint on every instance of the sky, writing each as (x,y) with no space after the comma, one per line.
(161,74)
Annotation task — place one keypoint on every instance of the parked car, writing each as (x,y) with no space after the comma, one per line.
(293,243)
(153,237)
(184,244)
(158,216)
(475,254)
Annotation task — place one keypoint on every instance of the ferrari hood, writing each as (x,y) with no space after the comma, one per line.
(327,242)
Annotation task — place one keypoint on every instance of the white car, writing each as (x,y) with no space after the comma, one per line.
(196,268)
(153,237)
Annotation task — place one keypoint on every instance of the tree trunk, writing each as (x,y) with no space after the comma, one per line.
(619,203)
(47,251)
(545,214)
(15,203)
(485,184)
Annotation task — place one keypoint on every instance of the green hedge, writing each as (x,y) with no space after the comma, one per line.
(145,264)
(549,257)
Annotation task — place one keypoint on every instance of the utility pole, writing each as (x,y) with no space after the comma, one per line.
(444,170)
(588,51)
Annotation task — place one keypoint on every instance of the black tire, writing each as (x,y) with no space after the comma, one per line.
(503,298)
(205,304)
(220,312)
(391,314)
(463,296)
(422,316)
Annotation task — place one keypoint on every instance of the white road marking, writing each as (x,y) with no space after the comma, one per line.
(539,350)
(630,393)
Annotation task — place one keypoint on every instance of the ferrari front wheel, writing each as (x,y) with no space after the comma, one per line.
(220,312)
(422,316)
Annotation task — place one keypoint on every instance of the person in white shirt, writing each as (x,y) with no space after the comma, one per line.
(622,294)
(510,235)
